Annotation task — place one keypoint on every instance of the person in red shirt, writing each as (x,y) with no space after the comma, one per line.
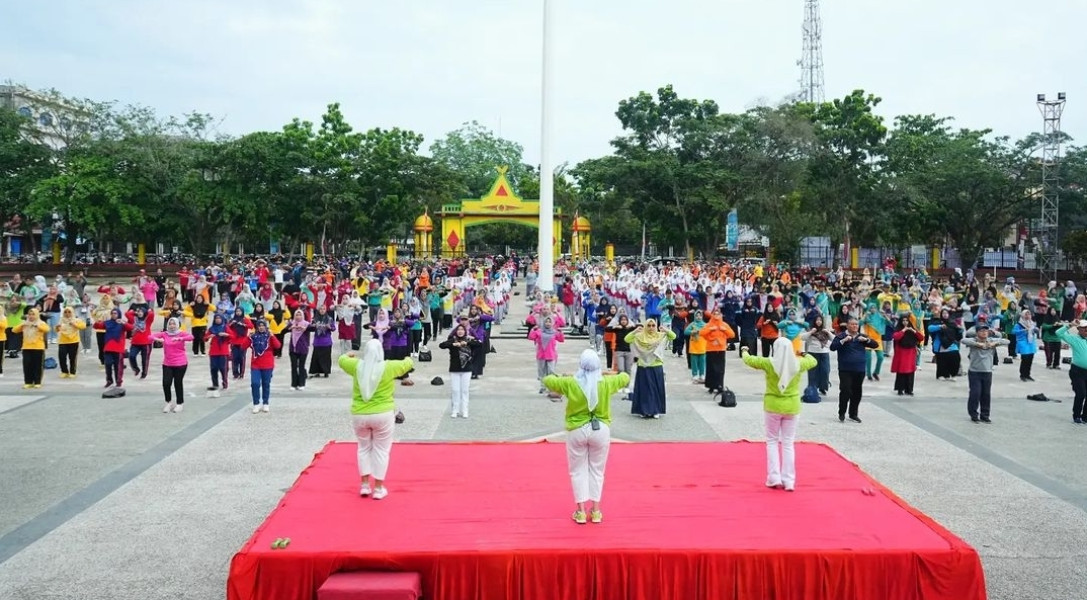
(140,320)
(239,328)
(116,330)
(264,345)
(218,338)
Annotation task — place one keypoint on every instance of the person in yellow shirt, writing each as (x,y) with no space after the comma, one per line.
(68,341)
(3,337)
(277,325)
(34,330)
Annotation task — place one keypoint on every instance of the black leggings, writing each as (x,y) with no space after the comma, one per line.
(33,364)
(174,377)
(199,345)
(66,356)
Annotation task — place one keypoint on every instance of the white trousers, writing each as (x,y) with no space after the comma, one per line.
(375,434)
(586,456)
(780,431)
(458,400)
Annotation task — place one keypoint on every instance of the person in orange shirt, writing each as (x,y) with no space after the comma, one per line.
(423,281)
(717,333)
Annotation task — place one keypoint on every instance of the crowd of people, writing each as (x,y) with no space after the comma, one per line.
(640,320)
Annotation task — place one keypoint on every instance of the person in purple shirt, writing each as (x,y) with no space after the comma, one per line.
(479,326)
(396,341)
(320,364)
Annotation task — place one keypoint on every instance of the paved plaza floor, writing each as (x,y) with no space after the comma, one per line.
(110,498)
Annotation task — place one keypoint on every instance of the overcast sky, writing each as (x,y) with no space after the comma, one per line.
(430,65)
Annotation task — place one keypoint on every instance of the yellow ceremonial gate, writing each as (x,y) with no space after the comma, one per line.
(500,204)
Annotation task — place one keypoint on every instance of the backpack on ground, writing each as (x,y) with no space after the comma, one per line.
(50,363)
(811,395)
(727,398)
(425,355)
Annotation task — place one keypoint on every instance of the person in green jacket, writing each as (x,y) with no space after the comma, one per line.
(1050,341)
(1077,374)
(588,429)
(781,402)
(373,411)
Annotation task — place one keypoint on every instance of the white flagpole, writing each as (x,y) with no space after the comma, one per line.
(546,251)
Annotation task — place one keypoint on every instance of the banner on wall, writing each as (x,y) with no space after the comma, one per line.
(732,231)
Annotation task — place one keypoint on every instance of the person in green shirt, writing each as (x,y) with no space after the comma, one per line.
(373,411)
(1077,343)
(781,402)
(588,429)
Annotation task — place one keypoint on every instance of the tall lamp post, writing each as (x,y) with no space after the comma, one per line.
(546,243)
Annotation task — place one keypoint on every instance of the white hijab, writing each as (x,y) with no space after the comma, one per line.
(369,373)
(588,377)
(785,364)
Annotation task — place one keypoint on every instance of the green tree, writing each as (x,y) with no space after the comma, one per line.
(843,175)
(1074,245)
(474,151)
(963,186)
(24,161)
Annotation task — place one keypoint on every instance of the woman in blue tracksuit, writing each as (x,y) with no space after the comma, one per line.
(1026,343)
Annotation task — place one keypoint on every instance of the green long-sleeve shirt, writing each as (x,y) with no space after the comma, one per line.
(577,405)
(773,399)
(382,400)
(1077,343)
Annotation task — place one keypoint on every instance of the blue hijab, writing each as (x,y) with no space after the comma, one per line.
(114,330)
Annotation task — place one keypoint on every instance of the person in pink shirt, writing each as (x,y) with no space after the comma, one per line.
(546,338)
(175,361)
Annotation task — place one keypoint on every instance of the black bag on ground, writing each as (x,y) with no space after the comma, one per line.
(1008,360)
(424,355)
(114,392)
(728,398)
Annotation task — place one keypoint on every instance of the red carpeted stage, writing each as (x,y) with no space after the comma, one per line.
(681,521)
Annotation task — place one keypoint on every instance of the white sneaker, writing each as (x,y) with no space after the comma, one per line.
(453,415)
(293,388)
(365,490)
(264,408)
(464,416)
(168,407)
(179,408)
(256,409)
(380,493)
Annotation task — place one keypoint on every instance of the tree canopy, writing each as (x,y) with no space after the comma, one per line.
(835,169)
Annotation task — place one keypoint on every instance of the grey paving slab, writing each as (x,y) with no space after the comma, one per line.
(187,501)
(15,402)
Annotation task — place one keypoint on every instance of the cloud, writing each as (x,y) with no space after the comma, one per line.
(430,65)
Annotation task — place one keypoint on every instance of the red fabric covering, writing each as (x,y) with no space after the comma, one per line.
(362,585)
(492,521)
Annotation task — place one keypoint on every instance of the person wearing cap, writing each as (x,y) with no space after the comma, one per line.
(588,430)
(982,343)
(1077,374)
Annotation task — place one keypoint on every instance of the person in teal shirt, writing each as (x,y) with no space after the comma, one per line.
(588,429)
(781,403)
(373,411)
(1077,343)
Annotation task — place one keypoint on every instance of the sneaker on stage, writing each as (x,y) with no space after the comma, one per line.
(579,517)
(380,493)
